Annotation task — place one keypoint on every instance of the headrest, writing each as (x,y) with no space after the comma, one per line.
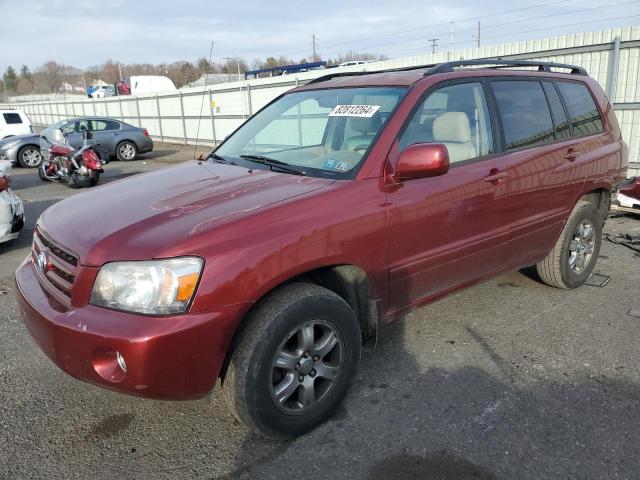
(452,127)
(366,124)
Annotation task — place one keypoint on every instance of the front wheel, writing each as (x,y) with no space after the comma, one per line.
(42,172)
(575,253)
(293,361)
(29,157)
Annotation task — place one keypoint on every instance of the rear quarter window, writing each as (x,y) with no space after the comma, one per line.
(585,117)
(12,118)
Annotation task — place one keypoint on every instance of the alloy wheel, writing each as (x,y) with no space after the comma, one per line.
(581,246)
(31,157)
(127,151)
(306,367)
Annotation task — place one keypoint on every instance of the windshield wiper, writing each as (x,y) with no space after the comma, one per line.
(217,158)
(272,162)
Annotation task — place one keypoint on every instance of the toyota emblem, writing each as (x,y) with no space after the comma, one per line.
(42,261)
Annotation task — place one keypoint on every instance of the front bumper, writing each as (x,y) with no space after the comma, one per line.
(176,358)
(10,154)
(11,216)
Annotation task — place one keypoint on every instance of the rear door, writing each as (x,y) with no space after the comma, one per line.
(448,230)
(542,183)
(105,134)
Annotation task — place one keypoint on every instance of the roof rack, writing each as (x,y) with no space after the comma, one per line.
(500,63)
(329,76)
(448,67)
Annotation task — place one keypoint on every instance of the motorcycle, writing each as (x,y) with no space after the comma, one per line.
(77,168)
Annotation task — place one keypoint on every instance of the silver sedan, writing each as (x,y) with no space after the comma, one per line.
(22,149)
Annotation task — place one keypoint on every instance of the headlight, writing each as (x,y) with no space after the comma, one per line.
(155,287)
(9,145)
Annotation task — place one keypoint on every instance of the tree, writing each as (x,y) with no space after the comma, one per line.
(25,73)
(25,86)
(10,79)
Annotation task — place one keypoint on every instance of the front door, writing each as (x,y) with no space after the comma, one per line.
(448,230)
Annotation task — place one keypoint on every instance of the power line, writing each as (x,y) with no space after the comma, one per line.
(427,27)
(475,29)
(421,49)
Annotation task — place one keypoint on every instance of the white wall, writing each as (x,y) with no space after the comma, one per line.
(213,113)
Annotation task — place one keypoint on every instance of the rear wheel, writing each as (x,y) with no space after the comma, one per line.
(29,156)
(294,360)
(126,151)
(575,253)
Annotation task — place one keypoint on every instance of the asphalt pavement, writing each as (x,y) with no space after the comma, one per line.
(509,379)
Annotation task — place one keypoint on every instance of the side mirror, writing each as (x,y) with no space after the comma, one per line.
(422,160)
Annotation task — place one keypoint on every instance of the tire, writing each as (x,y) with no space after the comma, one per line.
(94,178)
(29,156)
(79,181)
(126,151)
(41,173)
(575,253)
(276,325)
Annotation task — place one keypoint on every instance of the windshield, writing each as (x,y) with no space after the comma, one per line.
(323,133)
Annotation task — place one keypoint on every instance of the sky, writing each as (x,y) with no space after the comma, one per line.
(85,33)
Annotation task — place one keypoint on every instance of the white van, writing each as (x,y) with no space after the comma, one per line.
(14,122)
(144,84)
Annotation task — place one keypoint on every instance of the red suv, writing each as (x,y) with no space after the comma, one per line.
(337,208)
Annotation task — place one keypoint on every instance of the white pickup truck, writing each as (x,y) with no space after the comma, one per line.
(11,207)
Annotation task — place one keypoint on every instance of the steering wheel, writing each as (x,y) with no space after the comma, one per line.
(364,146)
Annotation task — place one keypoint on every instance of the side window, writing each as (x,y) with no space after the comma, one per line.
(70,128)
(12,118)
(112,125)
(585,117)
(524,113)
(83,125)
(457,116)
(557,112)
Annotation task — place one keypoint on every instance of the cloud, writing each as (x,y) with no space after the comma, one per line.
(82,33)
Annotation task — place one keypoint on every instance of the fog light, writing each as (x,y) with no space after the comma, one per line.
(109,364)
(121,362)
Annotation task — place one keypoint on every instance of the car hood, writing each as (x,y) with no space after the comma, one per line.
(29,136)
(151,215)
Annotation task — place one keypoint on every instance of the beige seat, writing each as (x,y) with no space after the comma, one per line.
(453,130)
(367,127)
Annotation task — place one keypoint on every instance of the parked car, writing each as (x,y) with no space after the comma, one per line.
(14,122)
(266,264)
(113,137)
(11,207)
(102,91)
(123,88)
(629,194)
(22,149)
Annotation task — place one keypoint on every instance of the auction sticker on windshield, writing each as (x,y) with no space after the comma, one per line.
(354,111)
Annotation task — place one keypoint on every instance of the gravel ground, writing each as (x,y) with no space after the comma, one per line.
(506,380)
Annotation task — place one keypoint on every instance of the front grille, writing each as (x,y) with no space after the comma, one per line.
(58,267)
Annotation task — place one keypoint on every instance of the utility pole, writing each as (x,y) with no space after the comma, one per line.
(434,44)
(120,71)
(228,59)
(451,37)
(313,46)
(477,35)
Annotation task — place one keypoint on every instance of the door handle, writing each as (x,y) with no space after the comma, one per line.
(571,154)
(496,177)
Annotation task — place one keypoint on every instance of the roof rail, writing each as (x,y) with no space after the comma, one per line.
(500,63)
(329,76)
(448,67)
